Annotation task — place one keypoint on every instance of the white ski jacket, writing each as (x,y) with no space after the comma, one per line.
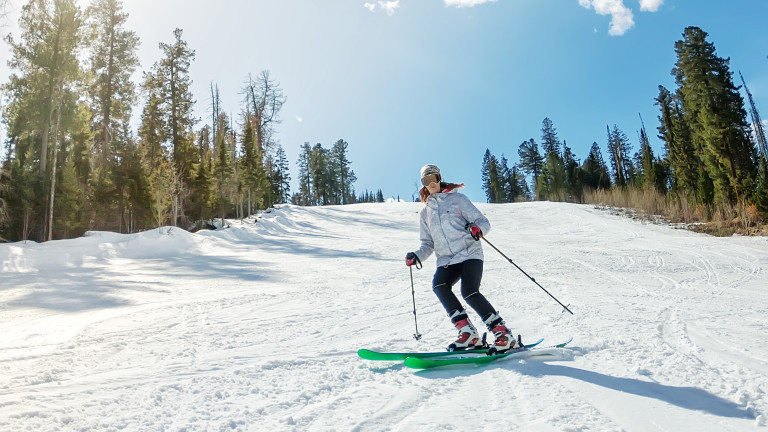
(443,219)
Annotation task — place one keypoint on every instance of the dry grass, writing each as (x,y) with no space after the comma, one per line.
(648,203)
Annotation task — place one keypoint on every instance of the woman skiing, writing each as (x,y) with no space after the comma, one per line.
(451,226)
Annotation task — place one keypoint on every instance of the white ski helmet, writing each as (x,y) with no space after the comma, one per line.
(429,169)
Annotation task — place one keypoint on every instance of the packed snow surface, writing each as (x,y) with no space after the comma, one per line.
(256,327)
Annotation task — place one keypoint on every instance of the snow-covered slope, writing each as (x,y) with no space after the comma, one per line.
(256,327)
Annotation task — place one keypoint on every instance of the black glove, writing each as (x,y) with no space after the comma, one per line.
(474,231)
(411,259)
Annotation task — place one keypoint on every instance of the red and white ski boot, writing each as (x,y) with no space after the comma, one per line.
(505,340)
(468,336)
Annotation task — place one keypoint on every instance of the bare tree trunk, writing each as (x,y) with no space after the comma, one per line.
(49,106)
(176,210)
(106,133)
(25,229)
(121,211)
(221,213)
(53,170)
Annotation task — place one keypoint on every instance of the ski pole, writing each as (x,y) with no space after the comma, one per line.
(416,335)
(523,271)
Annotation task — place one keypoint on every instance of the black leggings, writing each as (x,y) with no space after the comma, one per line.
(470,272)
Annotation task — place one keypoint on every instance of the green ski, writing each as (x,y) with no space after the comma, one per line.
(397,356)
(528,351)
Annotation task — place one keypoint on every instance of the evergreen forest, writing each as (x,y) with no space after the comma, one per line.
(73,162)
(714,165)
(75,158)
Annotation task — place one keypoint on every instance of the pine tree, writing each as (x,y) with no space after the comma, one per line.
(519,190)
(531,161)
(508,187)
(70,206)
(320,178)
(161,185)
(553,181)
(263,100)
(5,186)
(493,181)
(486,175)
(620,149)
(345,176)
(46,57)
(304,195)
(282,175)
(715,111)
(595,171)
(651,169)
(152,129)
(201,196)
(573,174)
(171,76)
(223,169)
(113,59)
(554,173)
(325,175)
(681,155)
(255,176)
(155,158)
(134,189)
(42,100)
(761,192)
(17,191)
(549,141)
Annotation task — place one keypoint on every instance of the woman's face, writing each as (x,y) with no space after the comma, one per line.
(433,183)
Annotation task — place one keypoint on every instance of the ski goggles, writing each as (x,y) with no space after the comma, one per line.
(429,179)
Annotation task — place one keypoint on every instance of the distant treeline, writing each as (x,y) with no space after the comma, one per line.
(713,159)
(73,162)
(325,176)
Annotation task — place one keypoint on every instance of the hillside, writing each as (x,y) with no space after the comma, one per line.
(256,327)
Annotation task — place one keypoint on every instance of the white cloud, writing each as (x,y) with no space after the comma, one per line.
(387,6)
(466,3)
(390,6)
(650,5)
(621,16)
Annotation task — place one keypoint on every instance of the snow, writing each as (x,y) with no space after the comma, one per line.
(256,327)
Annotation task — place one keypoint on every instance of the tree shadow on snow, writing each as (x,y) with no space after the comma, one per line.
(86,288)
(297,247)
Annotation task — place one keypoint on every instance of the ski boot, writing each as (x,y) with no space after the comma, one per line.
(505,340)
(468,336)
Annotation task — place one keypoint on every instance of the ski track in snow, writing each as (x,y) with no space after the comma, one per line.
(256,327)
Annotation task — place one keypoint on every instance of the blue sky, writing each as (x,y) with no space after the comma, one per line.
(411,82)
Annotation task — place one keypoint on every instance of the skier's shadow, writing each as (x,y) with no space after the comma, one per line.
(691,398)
